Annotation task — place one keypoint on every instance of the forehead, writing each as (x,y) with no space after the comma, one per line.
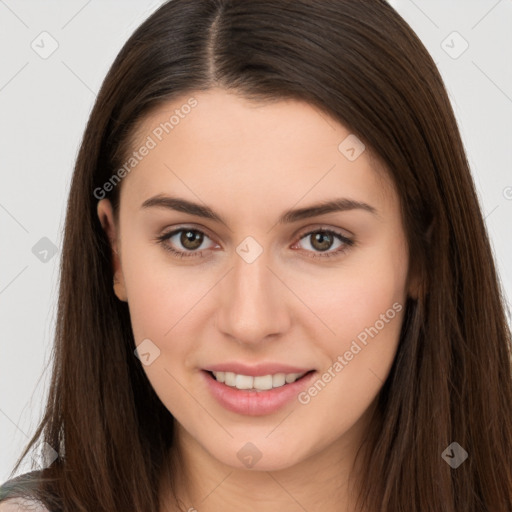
(219,145)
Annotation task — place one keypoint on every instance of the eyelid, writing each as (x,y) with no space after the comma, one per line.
(298,234)
(192,227)
(324,227)
(167,235)
(347,242)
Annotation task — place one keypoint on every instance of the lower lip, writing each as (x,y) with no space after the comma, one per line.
(255,403)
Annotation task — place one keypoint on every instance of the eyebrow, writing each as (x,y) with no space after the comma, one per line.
(288,217)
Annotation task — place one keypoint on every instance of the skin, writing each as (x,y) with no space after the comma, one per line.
(250,162)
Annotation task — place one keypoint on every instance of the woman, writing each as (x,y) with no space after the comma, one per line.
(305,312)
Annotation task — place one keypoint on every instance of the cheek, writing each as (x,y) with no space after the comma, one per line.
(362,302)
(364,306)
(161,304)
(160,293)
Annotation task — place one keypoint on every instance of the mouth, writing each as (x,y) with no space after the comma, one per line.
(256,395)
(259,383)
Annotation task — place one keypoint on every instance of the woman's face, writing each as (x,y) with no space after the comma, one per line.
(264,282)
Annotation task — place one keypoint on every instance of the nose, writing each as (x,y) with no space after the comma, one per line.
(253,302)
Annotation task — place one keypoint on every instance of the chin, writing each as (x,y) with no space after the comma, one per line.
(260,454)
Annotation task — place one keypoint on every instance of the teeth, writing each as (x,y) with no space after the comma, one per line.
(260,383)
(291,377)
(263,382)
(229,379)
(243,381)
(278,380)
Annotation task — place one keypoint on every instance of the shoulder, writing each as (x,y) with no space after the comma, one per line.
(14,494)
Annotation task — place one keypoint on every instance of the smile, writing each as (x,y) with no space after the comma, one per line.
(256,395)
(260,383)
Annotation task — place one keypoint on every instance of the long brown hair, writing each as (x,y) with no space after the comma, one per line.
(451,380)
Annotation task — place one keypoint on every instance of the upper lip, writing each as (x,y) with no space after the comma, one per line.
(256,370)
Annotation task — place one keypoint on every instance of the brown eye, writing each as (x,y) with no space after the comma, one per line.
(325,243)
(185,242)
(191,239)
(321,240)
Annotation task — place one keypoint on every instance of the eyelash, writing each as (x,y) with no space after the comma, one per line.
(348,243)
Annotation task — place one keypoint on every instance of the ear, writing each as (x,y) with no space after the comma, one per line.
(414,288)
(418,282)
(416,285)
(106,217)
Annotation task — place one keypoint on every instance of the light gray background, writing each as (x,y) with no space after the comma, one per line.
(45,103)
